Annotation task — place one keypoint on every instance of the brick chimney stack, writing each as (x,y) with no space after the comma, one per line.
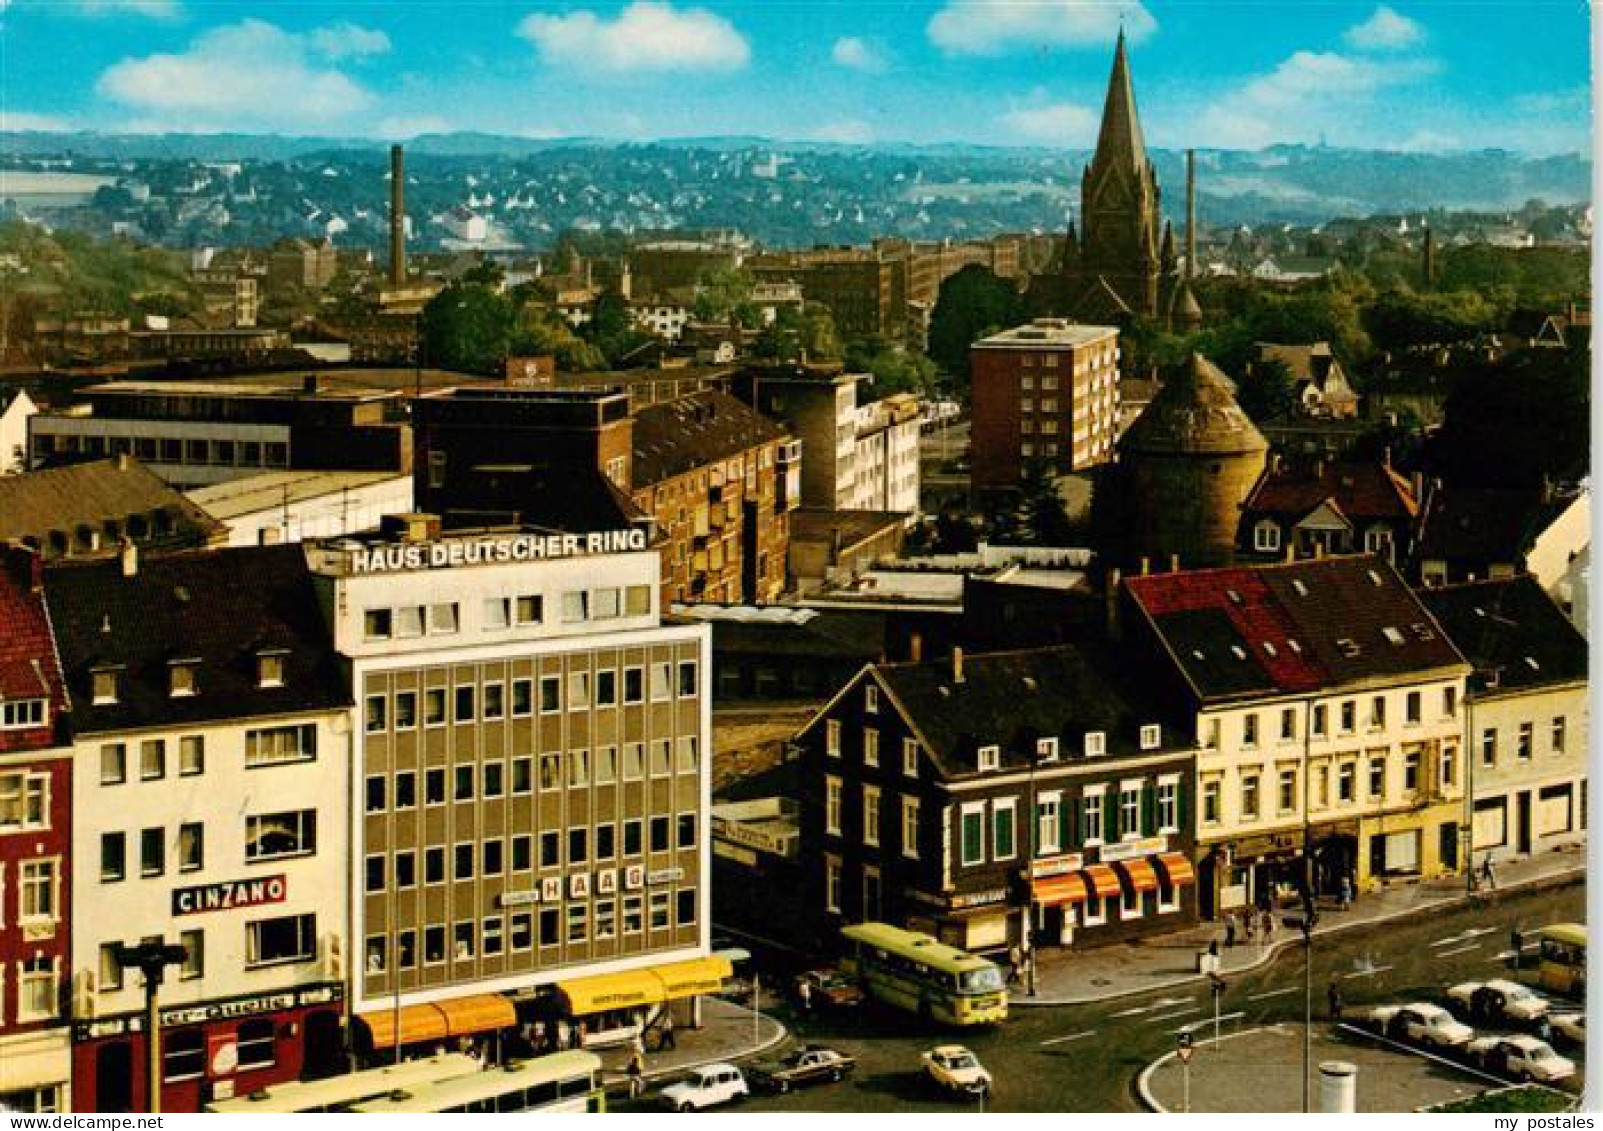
(397,216)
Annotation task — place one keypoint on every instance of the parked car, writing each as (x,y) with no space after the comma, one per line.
(1498,1000)
(828,988)
(809,1065)
(1421,1023)
(708,1086)
(1522,1057)
(955,1069)
(1569,1027)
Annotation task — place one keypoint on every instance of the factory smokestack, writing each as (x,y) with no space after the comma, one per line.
(397,217)
(1191,214)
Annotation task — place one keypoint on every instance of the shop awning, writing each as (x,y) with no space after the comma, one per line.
(1070,887)
(481,1013)
(1139,874)
(698,976)
(1177,869)
(630,988)
(1101,880)
(415,1023)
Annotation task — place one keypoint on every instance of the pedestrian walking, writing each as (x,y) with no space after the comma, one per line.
(804,991)
(1516,944)
(563,1033)
(637,1073)
(667,1040)
(1248,925)
(1333,996)
(1015,962)
(1488,876)
(1345,894)
(539,1036)
(1230,928)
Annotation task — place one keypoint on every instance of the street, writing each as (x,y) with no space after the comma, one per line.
(1087,1058)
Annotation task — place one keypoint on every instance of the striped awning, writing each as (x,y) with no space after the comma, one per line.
(1176,869)
(1102,881)
(1138,874)
(1050,891)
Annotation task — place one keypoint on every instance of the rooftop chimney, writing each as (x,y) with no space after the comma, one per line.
(397,217)
(1191,214)
(957,665)
(129,557)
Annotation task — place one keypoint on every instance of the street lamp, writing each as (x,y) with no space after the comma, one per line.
(151,957)
(1306,923)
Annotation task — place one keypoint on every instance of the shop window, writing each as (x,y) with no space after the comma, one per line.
(256,1047)
(183,1055)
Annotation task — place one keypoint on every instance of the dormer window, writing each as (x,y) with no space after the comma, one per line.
(1151,736)
(181,678)
(104,686)
(871,699)
(1096,743)
(270,669)
(1046,749)
(990,758)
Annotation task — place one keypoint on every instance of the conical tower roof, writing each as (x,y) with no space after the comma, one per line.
(1120,139)
(1195,413)
(1184,308)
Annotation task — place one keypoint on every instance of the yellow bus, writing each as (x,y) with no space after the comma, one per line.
(340,1093)
(563,1081)
(1563,958)
(923,975)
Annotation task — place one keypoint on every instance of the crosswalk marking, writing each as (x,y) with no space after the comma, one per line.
(1069,1037)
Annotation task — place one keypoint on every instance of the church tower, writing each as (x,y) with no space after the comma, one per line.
(1120,227)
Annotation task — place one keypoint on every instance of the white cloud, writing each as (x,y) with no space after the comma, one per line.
(249,75)
(404,128)
(852,131)
(23,121)
(1386,30)
(157,9)
(346,40)
(645,36)
(1053,123)
(990,27)
(857,54)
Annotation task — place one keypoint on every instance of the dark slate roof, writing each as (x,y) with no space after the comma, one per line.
(63,498)
(220,607)
(841,634)
(693,431)
(574,503)
(1291,628)
(1510,627)
(29,668)
(1010,699)
(1480,525)
(1361,491)
(1194,412)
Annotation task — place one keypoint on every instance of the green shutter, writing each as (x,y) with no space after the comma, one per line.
(1149,809)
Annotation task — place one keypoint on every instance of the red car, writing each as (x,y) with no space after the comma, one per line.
(828,988)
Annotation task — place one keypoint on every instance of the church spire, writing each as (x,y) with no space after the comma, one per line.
(1120,139)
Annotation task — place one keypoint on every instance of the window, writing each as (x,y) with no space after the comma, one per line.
(291,938)
(687,679)
(22,714)
(443,619)
(1558,734)
(1349,717)
(275,836)
(685,909)
(910,827)
(406,868)
(832,738)
(181,678)
(377,793)
(661,682)
(631,837)
(832,884)
(1449,702)
(634,685)
(1522,749)
(1130,811)
(434,786)
(1288,723)
(36,894)
(103,689)
(1377,713)
(1377,776)
(465,695)
(191,847)
(494,701)
(462,783)
(1096,743)
(871,699)
(1413,708)
(433,945)
(973,828)
(1210,803)
(497,613)
(832,805)
(522,931)
(522,698)
(1449,763)
(550,694)
(152,759)
(434,707)
(110,968)
(24,801)
(1151,736)
(462,861)
(1411,771)
(870,746)
(1048,824)
(405,789)
(1266,537)
(1320,721)
(275,745)
(1288,791)
(376,624)
(410,620)
(606,688)
(634,761)
(659,911)
(1249,797)
(1091,818)
(1168,805)
(113,763)
(531,608)
(191,755)
(375,873)
(688,758)
(36,989)
(578,690)
(989,757)
(1346,782)
(608,604)
(113,857)
(871,815)
(1249,730)
(575,607)
(910,757)
(152,852)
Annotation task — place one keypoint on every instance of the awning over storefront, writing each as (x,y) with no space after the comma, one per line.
(1138,872)
(1102,881)
(1176,869)
(630,988)
(437,1020)
(1070,887)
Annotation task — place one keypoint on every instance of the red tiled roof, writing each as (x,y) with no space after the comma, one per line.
(28,665)
(1360,490)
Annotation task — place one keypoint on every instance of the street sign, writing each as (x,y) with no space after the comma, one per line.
(1182,1047)
(1216,984)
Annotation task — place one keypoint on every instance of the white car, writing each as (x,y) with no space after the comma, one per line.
(1421,1023)
(1570,1026)
(1522,1057)
(956,1069)
(708,1086)
(1498,1000)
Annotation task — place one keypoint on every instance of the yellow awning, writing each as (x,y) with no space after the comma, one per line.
(417,1023)
(602,992)
(648,986)
(481,1013)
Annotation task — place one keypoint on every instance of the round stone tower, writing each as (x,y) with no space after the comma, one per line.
(1187,464)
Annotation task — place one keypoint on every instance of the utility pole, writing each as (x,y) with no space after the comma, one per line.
(151,959)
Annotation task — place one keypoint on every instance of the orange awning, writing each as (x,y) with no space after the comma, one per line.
(1177,869)
(1103,883)
(1139,873)
(481,1013)
(416,1023)
(1070,887)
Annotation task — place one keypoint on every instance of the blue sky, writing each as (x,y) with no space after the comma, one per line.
(1428,74)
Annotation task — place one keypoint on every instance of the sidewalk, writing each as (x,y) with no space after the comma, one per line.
(727,1032)
(1161,961)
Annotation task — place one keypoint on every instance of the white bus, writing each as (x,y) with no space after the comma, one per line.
(341,1093)
(564,1081)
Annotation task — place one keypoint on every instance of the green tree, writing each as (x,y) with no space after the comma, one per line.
(723,295)
(893,367)
(611,328)
(1042,518)
(1514,423)
(1398,320)
(1267,391)
(542,331)
(808,333)
(972,303)
(467,327)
